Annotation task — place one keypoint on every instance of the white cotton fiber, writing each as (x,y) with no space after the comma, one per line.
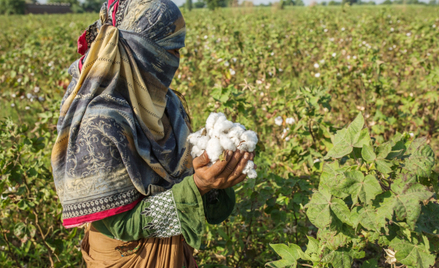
(220,135)
(196,152)
(210,122)
(235,134)
(222,127)
(202,142)
(252,174)
(226,143)
(250,140)
(214,149)
(250,170)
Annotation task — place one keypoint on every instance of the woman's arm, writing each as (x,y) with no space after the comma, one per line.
(180,210)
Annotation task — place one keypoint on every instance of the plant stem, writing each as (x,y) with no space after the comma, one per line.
(9,246)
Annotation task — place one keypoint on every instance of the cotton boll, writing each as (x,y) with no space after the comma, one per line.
(221,127)
(249,140)
(252,174)
(202,142)
(250,170)
(193,138)
(239,125)
(214,149)
(226,143)
(196,152)
(250,165)
(219,121)
(235,133)
(210,122)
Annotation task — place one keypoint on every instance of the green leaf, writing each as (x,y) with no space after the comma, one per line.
(408,195)
(339,258)
(428,221)
(332,179)
(318,209)
(383,166)
(23,204)
(421,159)
(412,255)
(313,249)
(346,139)
(364,188)
(341,210)
(333,239)
(384,150)
(368,154)
(289,254)
(363,139)
(368,219)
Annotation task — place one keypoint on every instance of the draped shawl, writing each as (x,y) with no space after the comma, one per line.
(121,131)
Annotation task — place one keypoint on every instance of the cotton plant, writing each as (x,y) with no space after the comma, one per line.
(220,134)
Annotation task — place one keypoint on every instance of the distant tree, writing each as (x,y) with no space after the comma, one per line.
(12,6)
(212,4)
(386,2)
(432,3)
(323,3)
(199,4)
(333,3)
(92,5)
(189,5)
(71,2)
(282,4)
(372,3)
(74,5)
(299,3)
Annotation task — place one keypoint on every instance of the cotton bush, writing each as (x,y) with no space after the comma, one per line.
(221,134)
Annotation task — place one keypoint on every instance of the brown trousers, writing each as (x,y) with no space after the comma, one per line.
(100,251)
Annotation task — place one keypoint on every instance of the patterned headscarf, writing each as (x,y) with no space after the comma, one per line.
(121,132)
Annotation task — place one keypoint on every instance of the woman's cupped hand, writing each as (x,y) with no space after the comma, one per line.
(223,174)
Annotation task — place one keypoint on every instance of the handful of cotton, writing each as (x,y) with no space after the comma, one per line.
(221,134)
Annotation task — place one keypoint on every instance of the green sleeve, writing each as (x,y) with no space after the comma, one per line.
(190,211)
(218,205)
(180,210)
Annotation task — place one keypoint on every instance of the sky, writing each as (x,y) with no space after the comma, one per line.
(257,2)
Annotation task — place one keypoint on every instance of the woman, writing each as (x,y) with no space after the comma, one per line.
(121,160)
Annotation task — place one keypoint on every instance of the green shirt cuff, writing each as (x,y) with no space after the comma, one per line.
(219,210)
(190,211)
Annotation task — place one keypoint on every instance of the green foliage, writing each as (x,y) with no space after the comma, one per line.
(92,5)
(199,4)
(188,5)
(9,7)
(260,69)
(357,203)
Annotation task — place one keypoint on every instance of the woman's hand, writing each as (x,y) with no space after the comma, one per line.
(222,174)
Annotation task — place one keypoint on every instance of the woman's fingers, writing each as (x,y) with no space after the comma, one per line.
(219,166)
(240,166)
(230,167)
(201,161)
(238,179)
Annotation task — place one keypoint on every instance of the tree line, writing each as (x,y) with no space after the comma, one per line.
(18,6)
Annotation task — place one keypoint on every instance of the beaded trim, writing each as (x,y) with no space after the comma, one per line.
(162,212)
